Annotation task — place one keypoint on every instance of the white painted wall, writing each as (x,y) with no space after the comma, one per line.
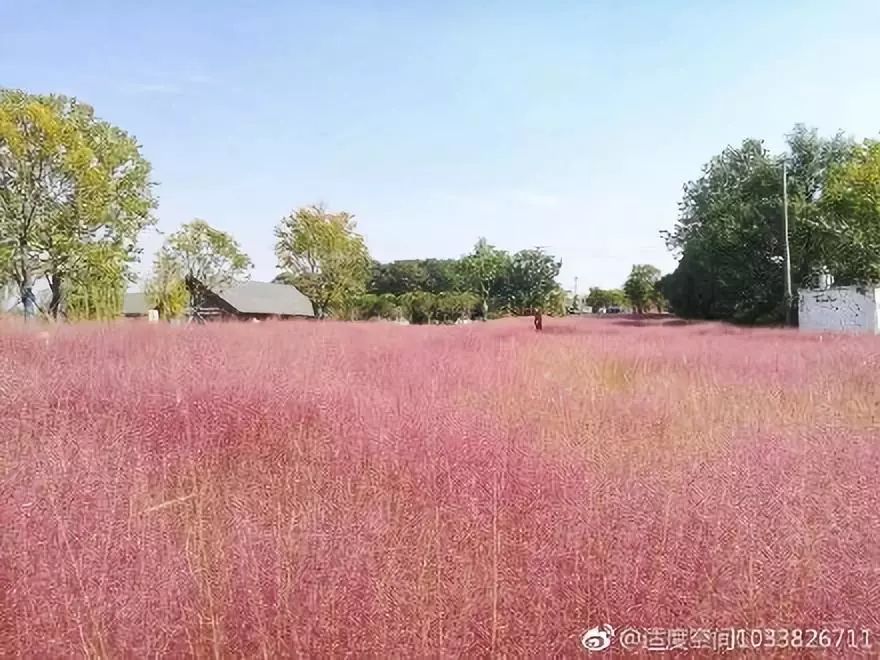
(839,309)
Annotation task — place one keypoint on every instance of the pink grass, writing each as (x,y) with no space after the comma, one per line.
(330,489)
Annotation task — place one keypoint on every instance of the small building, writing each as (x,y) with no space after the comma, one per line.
(242,300)
(851,309)
(252,300)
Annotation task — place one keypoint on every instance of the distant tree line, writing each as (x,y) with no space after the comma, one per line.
(640,293)
(76,193)
(485,283)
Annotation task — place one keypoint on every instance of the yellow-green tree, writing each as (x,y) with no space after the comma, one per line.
(95,290)
(850,219)
(166,289)
(197,251)
(324,257)
(70,184)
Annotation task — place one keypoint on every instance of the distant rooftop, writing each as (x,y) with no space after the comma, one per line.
(267,298)
(246,297)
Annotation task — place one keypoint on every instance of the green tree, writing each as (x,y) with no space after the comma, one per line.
(200,252)
(640,286)
(604,298)
(95,290)
(530,281)
(402,276)
(398,277)
(556,303)
(451,306)
(328,261)
(483,271)
(850,220)
(442,275)
(657,299)
(70,184)
(376,305)
(166,289)
(419,306)
(729,232)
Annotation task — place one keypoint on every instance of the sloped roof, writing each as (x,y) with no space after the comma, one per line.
(135,303)
(267,298)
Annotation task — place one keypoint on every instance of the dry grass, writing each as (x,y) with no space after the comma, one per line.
(333,489)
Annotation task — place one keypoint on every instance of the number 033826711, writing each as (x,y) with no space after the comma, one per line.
(812,638)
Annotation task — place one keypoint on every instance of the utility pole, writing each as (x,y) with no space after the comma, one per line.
(788,300)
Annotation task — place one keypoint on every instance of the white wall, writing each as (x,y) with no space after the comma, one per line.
(839,309)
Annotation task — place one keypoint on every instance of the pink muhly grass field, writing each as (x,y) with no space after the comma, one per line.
(331,489)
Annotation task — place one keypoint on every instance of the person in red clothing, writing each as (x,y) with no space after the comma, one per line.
(539,322)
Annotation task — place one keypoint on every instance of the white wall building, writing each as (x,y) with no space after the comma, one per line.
(840,309)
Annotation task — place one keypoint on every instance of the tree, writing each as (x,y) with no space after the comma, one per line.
(483,270)
(605,298)
(376,305)
(70,184)
(556,303)
(729,231)
(451,306)
(166,289)
(95,290)
(657,298)
(398,277)
(419,306)
(640,286)
(530,281)
(198,251)
(442,275)
(328,261)
(850,218)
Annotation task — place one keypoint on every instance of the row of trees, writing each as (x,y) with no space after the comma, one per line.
(324,257)
(485,282)
(322,254)
(76,193)
(641,292)
(729,235)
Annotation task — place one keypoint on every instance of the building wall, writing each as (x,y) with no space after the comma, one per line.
(839,309)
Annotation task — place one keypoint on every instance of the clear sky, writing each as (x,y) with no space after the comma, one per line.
(571,125)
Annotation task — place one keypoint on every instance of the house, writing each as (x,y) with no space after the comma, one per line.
(242,300)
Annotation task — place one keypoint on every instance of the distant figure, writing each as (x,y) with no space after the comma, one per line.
(539,323)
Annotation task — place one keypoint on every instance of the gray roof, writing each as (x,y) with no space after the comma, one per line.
(267,298)
(246,297)
(135,304)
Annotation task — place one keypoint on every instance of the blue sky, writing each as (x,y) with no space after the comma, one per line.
(571,125)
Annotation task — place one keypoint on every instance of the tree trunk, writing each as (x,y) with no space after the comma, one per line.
(27,295)
(55,302)
(26,287)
